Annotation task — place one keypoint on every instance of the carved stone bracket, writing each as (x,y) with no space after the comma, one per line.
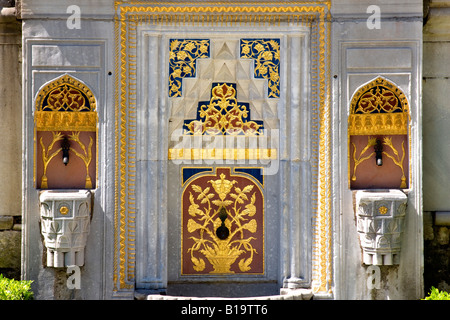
(380,222)
(65,222)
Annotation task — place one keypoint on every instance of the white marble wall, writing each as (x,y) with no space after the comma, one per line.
(10,144)
(52,48)
(435,127)
(360,54)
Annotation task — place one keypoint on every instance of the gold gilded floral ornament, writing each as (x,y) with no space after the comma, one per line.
(64,210)
(65,104)
(223,114)
(383,210)
(222,222)
(183,57)
(66,98)
(379,107)
(398,160)
(266,53)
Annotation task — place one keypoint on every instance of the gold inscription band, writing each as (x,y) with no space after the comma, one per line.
(66,121)
(378,123)
(223,154)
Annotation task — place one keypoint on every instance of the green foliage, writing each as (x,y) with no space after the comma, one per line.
(435,294)
(11,289)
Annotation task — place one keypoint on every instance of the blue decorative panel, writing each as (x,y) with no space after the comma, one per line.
(183,61)
(256,173)
(188,172)
(266,53)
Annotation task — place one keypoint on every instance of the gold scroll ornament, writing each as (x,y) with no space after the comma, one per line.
(182,61)
(223,115)
(65,105)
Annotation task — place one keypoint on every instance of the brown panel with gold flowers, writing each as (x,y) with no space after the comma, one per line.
(222,225)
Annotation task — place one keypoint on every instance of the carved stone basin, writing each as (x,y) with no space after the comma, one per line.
(380,218)
(65,222)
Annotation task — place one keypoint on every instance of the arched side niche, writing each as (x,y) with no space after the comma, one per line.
(65,121)
(378,137)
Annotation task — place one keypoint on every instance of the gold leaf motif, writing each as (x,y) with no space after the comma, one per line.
(222,186)
(396,158)
(193,226)
(193,208)
(250,226)
(203,194)
(199,264)
(244,264)
(250,208)
(357,161)
(47,156)
(86,155)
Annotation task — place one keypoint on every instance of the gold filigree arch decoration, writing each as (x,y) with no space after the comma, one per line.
(66,82)
(378,107)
